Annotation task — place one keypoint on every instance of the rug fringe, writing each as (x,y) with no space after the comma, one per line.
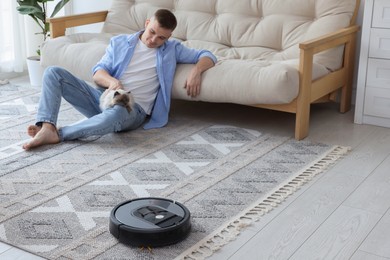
(230,230)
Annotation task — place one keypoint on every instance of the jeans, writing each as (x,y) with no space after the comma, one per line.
(58,83)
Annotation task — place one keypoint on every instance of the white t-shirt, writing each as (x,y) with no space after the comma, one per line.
(140,77)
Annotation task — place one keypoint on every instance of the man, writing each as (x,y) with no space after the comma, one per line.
(144,63)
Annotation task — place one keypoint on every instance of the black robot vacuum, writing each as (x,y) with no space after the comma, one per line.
(150,221)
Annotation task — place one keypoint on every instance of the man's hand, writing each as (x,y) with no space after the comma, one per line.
(193,82)
(105,80)
(115,84)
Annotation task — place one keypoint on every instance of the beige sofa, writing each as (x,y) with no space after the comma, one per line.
(275,54)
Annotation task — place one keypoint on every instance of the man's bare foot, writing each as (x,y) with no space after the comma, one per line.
(46,135)
(32,130)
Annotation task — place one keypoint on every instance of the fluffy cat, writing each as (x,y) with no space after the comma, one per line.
(109,98)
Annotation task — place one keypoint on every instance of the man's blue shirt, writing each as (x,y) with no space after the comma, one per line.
(119,53)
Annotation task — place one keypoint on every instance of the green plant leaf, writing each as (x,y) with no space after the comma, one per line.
(28,9)
(32,8)
(47,27)
(58,7)
(33,12)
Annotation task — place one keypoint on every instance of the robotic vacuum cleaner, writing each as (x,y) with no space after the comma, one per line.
(150,222)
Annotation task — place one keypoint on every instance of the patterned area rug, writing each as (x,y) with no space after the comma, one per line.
(55,200)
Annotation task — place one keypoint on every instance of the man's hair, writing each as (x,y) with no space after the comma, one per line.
(166,19)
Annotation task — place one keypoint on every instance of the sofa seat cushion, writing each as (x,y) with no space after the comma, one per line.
(246,82)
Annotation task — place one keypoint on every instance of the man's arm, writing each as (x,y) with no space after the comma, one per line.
(194,78)
(105,80)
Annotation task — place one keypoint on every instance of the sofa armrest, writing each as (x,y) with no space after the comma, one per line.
(345,36)
(330,40)
(58,25)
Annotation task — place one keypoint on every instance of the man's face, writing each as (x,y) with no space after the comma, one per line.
(154,35)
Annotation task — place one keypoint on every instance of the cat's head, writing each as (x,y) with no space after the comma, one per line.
(121,92)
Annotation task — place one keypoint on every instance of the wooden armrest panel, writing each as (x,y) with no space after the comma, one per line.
(330,40)
(311,47)
(58,25)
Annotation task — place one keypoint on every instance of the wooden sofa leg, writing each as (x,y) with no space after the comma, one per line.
(346,90)
(345,99)
(302,118)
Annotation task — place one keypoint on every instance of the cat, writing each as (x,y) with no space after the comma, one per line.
(109,98)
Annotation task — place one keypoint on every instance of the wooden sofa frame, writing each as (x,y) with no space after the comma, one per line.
(325,89)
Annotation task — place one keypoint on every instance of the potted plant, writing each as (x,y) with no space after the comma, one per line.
(37,10)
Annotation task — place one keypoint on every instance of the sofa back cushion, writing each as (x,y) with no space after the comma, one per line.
(242,29)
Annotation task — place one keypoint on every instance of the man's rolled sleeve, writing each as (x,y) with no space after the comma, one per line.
(205,53)
(105,62)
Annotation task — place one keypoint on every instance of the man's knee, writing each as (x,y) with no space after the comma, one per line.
(54,71)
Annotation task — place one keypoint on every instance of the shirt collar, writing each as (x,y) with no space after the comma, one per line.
(135,37)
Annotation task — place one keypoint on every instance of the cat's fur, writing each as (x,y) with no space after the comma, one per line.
(109,98)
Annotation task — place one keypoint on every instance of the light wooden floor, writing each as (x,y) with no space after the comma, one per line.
(343,214)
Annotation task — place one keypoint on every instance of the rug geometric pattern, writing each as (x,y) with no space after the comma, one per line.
(55,201)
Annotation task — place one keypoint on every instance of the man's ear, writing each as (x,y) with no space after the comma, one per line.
(147,22)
